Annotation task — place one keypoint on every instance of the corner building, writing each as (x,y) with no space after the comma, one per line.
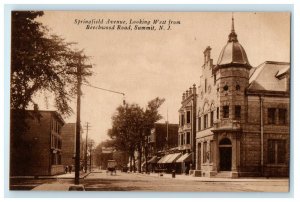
(242,115)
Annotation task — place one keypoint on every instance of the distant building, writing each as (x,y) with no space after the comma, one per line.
(162,137)
(187,128)
(242,115)
(37,151)
(68,134)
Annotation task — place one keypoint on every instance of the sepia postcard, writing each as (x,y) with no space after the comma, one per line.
(150,101)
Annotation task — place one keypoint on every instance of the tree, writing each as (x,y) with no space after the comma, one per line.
(41,62)
(126,129)
(130,126)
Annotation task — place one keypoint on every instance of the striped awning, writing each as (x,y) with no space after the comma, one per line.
(187,157)
(164,158)
(173,158)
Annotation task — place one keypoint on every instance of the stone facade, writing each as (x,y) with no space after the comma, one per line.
(37,151)
(187,123)
(242,116)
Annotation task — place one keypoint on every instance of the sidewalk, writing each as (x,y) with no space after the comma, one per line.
(82,175)
(214,179)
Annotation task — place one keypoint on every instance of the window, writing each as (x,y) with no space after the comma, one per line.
(211,151)
(211,119)
(199,123)
(237,111)
(225,111)
(237,87)
(188,138)
(205,121)
(282,116)
(215,79)
(182,119)
(205,85)
(276,151)
(218,111)
(271,115)
(225,88)
(204,152)
(188,117)
(182,138)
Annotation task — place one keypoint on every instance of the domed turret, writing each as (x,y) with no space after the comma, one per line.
(233,52)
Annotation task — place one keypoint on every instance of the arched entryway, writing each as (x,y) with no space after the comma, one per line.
(225,149)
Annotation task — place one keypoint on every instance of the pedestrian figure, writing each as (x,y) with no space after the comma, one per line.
(66,169)
(70,169)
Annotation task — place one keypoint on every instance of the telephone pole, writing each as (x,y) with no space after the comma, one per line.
(78,73)
(77,156)
(86,145)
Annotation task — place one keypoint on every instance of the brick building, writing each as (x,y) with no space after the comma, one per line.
(242,115)
(37,151)
(163,137)
(187,129)
(68,134)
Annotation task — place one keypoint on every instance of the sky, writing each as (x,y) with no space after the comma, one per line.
(145,64)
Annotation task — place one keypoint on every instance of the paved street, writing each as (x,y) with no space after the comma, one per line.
(101,181)
(154,182)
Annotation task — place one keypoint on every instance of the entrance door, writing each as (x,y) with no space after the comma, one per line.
(225,149)
(225,158)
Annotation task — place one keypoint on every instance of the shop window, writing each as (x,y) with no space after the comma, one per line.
(271,115)
(188,117)
(276,151)
(237,111)
(211,119)
(225,111)
(282,116)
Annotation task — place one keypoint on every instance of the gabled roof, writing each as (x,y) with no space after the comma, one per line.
(268,77)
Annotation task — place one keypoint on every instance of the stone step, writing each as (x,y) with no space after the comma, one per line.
(224,174)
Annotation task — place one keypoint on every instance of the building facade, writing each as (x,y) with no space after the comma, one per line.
(242,115)
(187,129)
(68,134)
(36,150)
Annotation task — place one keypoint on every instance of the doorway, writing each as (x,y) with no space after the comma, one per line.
(225,151)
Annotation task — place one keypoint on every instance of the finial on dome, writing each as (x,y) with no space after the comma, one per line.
(232,23)
(232,37)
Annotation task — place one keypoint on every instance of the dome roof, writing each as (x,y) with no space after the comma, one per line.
(233,52)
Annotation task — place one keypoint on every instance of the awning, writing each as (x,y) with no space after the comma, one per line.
(173,158)
(154,159)
(187,157)
(164,158)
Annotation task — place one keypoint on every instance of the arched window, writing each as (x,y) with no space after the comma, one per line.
(225,141)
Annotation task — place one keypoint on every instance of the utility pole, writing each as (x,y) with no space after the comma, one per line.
(78,73)
(86,145)
(77,156)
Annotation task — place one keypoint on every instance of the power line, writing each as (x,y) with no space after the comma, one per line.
(112,91)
